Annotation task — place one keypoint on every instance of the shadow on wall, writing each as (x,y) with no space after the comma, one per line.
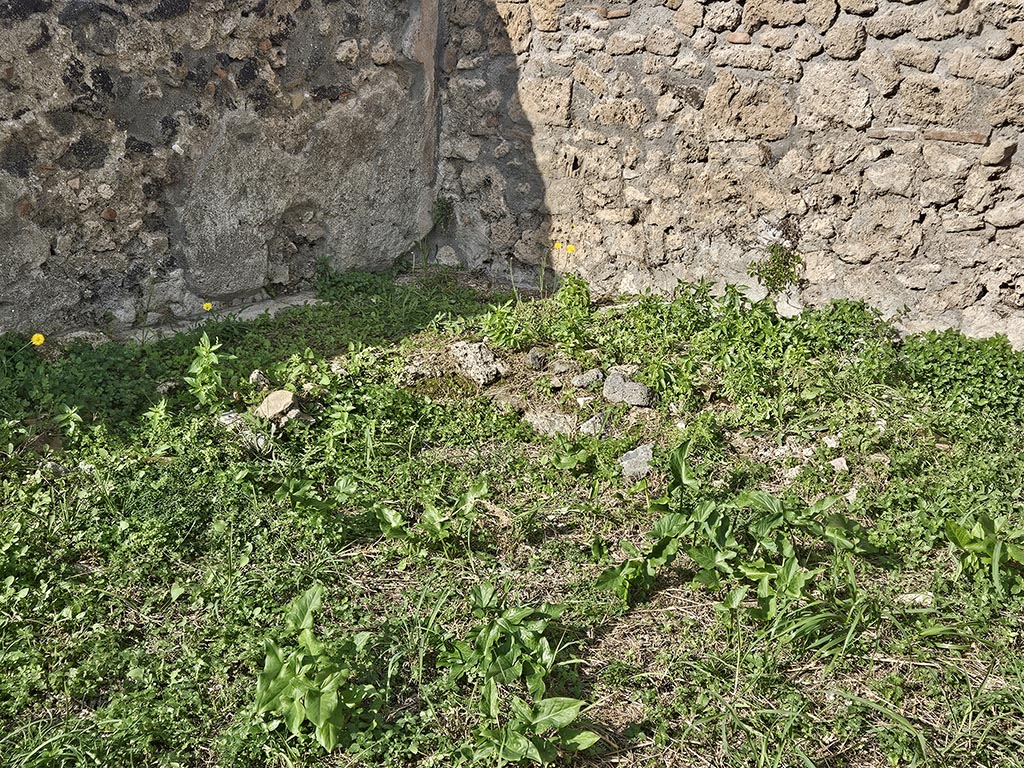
(158,154)
(487,159)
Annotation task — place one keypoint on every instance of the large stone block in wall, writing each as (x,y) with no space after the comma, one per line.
(936,100)
(830,94)
(747,109)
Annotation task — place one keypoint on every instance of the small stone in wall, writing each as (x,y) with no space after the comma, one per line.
(631,112)
(821,13)
(546,14)
(806,46)
(624,43)
(347,53)
(662,42)
(859,7)
(881,69)
(787,68)
(999,152)
(776,13)
(888,25)
(546,100)
(891,177)
(690,64)
(972,64)
(829,95)
(1005,215)
(940,26)
(689,17)
(922,57)
(937,192)
(719,17)
(743,57)
(1008,107)
(846,40)
(932,99)
(383,53)
(998,47)
(776,39)
(518,24)
(742,110)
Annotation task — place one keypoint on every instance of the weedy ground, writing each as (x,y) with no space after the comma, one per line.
(823,569)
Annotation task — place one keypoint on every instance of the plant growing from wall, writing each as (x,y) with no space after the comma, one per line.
(778,270)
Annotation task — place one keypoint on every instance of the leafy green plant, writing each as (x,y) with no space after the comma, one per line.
(510,326)
(707,532)
(991,545)
(779,269)
(535,732)
(443,213)
(507,645)
(204,377)
(312,683)
(435,526)
(567,318)
(69,420)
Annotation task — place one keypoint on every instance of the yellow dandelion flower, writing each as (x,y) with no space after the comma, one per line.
(38,339)
(571,248)
(558,246)
(207,306)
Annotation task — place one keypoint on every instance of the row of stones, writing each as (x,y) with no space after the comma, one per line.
(934,20)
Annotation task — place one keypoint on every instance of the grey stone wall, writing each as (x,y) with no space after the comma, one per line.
(677,138)
(158,154)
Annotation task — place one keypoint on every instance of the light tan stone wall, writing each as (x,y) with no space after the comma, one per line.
(676,139)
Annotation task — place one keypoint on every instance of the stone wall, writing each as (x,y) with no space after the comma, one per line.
(158,154)
(678,138)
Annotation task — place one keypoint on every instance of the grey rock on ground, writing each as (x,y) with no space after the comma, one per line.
(618,389)
(596,425)
(560,366)
(477,362)
(280,406)
(550,422)
(637,463)
(235,422)
(587,378)
(259,379)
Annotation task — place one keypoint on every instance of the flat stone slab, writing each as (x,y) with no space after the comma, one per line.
(637,463)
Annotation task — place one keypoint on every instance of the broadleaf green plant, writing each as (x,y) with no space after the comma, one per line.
(311,683)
